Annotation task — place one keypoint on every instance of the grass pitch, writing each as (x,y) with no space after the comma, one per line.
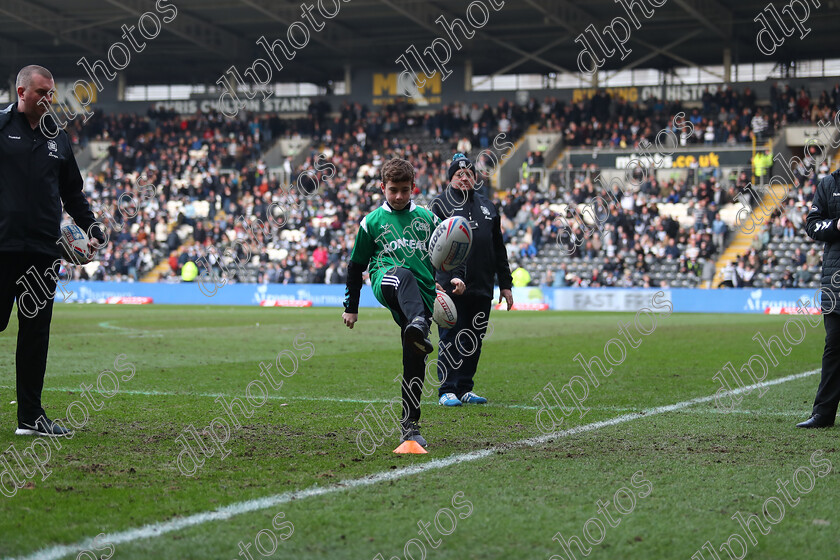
(700,464)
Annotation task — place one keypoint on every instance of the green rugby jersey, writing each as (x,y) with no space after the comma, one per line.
(388,238)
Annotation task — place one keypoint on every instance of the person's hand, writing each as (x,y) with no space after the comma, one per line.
(508,297)
(438,287)
(350,319)
(460,287)
(93,248)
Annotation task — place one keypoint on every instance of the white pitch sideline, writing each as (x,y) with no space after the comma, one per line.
(596,408)
(282,398)
(238,508)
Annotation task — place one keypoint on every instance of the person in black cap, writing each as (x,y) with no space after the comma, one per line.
(460,347)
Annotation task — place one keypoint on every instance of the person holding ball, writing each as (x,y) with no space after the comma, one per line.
(486,262)
(38,174)
(391,245)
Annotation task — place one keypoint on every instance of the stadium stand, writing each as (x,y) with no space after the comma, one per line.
(782,255)
(213,181)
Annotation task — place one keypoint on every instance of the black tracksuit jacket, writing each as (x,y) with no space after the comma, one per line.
(821,225)
(37,175)
(488,255)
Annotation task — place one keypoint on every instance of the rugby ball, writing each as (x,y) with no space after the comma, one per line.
(75,247)
(450,243)
(445,314)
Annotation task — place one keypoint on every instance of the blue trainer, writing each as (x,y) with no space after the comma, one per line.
(471,398)
(449,399)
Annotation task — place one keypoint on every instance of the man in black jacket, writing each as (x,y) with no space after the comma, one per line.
(824,225)
(38,173)
(460,346)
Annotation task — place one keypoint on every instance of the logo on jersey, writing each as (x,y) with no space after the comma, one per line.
(53,147)
(420,225)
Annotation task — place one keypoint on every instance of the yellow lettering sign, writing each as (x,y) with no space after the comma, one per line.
(630,94)
(432,84)
(386,82)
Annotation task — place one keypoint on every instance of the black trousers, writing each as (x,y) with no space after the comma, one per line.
(828,393)
(402,294)
(24,278)
(460,346)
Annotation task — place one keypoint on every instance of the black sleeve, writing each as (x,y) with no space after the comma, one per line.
(445,278)
(70,188)
(436,207)
(353,289)
(500,252)
(459,272)
(821,226)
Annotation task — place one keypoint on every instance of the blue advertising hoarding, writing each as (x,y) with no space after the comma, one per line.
(742,300)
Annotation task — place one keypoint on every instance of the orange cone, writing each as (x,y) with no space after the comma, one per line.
(410,446)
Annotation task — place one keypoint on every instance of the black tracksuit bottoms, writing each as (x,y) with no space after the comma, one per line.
(402,294)
(23,278)
(460,346)
(828,393)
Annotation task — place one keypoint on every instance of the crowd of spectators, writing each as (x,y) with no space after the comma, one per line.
(212,183)
(782,255)
(182,158)
(634,236)
(727,116)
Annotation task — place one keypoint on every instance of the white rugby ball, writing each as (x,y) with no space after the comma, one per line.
(445,314)
(450,243)
(75,247)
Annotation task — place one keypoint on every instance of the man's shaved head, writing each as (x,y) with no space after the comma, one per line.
(35,87)
(24,77)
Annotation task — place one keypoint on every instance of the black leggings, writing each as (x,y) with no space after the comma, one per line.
(828,393)
(23,278)
(402,294)
(460,346)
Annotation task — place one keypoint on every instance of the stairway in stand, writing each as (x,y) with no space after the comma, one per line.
(743,240)
(155,274)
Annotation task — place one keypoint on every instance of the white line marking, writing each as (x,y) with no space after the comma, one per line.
(226,512)
(185,394)
(304,398)
(386,401)
(660,410)
(604,408)
(131,333)
(107,325)
(237,508)
(227,395)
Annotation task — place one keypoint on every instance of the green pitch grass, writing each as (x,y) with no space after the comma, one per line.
(699,464)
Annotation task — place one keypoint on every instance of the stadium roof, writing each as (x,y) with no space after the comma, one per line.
(524,36)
